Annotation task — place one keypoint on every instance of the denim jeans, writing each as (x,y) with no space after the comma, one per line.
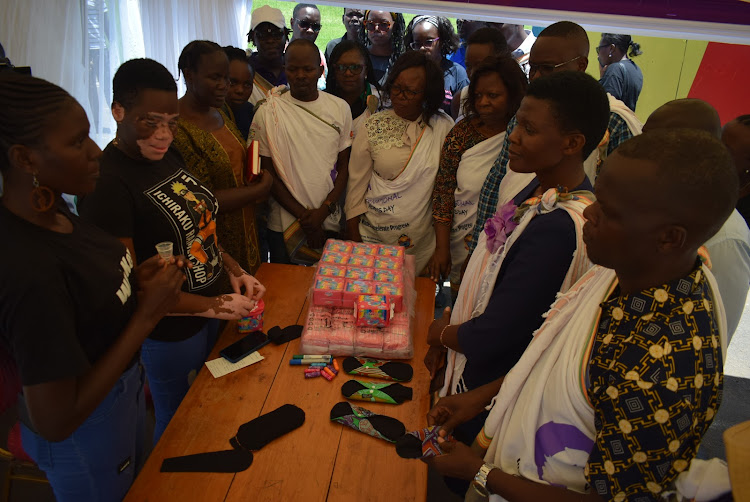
(100,460)
(168,369)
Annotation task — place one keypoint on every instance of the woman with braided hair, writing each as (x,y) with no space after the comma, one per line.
(74,310)
(434,36)
(383,35)
(620,76)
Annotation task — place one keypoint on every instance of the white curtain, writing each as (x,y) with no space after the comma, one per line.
(169,25)
(79,44)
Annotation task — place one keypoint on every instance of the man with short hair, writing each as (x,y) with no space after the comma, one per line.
(353,18)
(305,23)
(519,41)
(729,248)
(612,397)
(304,140)
(563,46)
(269,34)
(736,137)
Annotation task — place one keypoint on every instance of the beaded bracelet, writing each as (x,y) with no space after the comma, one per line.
(441,336)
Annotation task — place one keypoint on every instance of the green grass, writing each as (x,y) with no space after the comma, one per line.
(330,19)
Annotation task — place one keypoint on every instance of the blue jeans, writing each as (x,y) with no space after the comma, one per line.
(100,460)
(168,368)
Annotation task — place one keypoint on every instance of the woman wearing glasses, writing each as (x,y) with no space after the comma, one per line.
(434,36)
(383,35)
(394,161)
(352,78)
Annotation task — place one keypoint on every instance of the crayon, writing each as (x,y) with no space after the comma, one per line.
(336,365)
(312,375)
(326,376)
(300,362)
(326,371)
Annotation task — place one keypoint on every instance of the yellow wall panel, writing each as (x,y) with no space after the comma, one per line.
(669,67)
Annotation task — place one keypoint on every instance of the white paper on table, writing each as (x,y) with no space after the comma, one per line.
(220,366)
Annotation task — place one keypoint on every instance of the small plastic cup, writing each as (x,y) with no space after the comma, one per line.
(165,250)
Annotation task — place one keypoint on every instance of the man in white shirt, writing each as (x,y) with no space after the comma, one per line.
(729,248)
(304,138)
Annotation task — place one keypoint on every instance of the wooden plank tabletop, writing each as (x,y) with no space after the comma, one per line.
(318,461)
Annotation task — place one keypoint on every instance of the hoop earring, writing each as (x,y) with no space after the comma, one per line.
(42,198)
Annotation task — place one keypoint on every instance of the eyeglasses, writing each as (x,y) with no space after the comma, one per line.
(397,90)
(378,26)
(307,25)
(354,69)
(269,34)
(546,69)
(427,44)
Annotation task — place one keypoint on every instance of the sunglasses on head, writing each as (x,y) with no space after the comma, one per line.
(307,25)
(378,26)
(427,44)
(354,69)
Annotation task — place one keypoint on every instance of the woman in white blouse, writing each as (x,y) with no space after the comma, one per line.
(395,159)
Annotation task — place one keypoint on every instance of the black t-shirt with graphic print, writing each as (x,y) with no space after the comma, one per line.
(152,202)
(64,298)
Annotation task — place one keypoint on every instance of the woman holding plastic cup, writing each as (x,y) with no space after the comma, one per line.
(73,308)
(147,198)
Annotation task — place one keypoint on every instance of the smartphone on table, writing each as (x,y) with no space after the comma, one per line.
(244,347)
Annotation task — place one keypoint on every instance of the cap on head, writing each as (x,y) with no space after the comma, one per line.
(266,14)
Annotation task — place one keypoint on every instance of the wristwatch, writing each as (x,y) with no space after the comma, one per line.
(332,206)
(480,480)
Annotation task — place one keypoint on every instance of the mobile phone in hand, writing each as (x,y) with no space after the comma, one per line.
(244,346)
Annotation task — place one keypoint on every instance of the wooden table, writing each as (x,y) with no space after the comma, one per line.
(320,460)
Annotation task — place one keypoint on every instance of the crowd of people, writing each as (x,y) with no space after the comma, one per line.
(488,154)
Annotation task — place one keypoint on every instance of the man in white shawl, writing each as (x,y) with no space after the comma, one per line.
(612,397)
(304,140)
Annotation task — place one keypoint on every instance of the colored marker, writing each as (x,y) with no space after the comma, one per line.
(312,356)
(300,362)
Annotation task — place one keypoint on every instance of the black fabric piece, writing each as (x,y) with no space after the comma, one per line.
(279,335)
(257,433)
(252,435)
(396,391)
(398,371)
(409,446)
(389,428)
(215,461)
